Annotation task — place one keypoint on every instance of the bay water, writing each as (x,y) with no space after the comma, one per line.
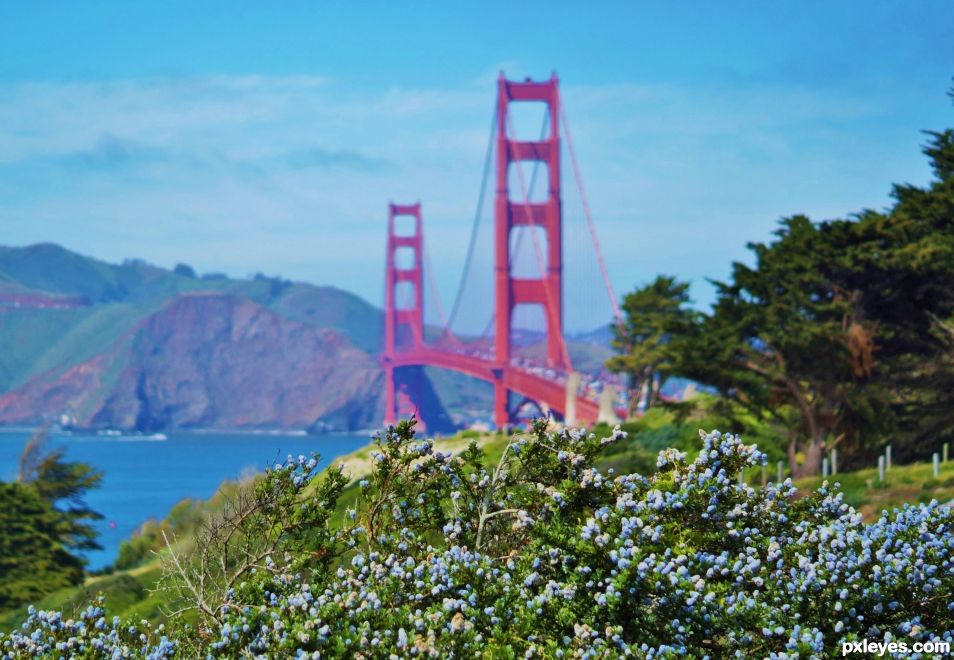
(144,476)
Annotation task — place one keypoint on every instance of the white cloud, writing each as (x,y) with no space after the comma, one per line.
(291,175)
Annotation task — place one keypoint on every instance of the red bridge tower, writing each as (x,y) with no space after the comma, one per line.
(514,209)
(403,319)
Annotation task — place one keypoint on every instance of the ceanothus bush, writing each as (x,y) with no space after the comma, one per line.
(539,554)
(89,635)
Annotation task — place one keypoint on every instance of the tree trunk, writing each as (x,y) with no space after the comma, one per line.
(660,382)
(792,450)
(633,411)
(650,392)
(811,466)
(635,390)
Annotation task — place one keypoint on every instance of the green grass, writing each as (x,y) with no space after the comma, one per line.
(130,593)
(904,484)
(31,331)
(49,267)
(324,307)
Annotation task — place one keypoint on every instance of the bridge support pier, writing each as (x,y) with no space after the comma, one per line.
(390,402)
(572,388)
(501,402)
(401,315)
(607,398)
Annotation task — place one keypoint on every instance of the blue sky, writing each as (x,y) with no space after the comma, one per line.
(244,138)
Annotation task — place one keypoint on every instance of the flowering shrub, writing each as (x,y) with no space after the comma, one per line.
(89,635)
(277,521)
(542,555)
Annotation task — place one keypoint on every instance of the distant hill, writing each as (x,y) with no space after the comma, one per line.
(211,360)
(136,346)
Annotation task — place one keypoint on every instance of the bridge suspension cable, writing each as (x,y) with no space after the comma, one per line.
(429,273)
(589,216)
(476,224)
(496,366)
(447,321)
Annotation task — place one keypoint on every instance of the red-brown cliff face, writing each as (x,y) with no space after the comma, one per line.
(211,360)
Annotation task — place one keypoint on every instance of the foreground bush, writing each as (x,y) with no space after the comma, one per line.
(543,555)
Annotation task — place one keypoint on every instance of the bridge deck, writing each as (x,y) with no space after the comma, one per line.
(547,393)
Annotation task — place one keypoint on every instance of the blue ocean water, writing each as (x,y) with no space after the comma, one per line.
(144,477)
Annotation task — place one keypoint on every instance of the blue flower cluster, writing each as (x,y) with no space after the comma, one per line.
(48,634)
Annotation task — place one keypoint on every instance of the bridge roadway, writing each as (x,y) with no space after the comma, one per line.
(547,393)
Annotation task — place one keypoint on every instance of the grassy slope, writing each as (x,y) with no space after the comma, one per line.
(904,484)
(328,307)
(31,331)
(54,340)
(49,267)
(127,594)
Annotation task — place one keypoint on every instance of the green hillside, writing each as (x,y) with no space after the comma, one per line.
(131,591)
(903,484)
(49,267)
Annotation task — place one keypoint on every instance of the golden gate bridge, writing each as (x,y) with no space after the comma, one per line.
(549,382)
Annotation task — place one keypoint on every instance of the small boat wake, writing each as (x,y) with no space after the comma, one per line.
(119,436)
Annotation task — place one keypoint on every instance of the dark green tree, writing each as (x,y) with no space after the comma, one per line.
(790,344)
(63,484)
(900,266)
(185,270)
(33,558)
(657,319)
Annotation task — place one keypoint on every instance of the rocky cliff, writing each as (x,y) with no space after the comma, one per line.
(211,360)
